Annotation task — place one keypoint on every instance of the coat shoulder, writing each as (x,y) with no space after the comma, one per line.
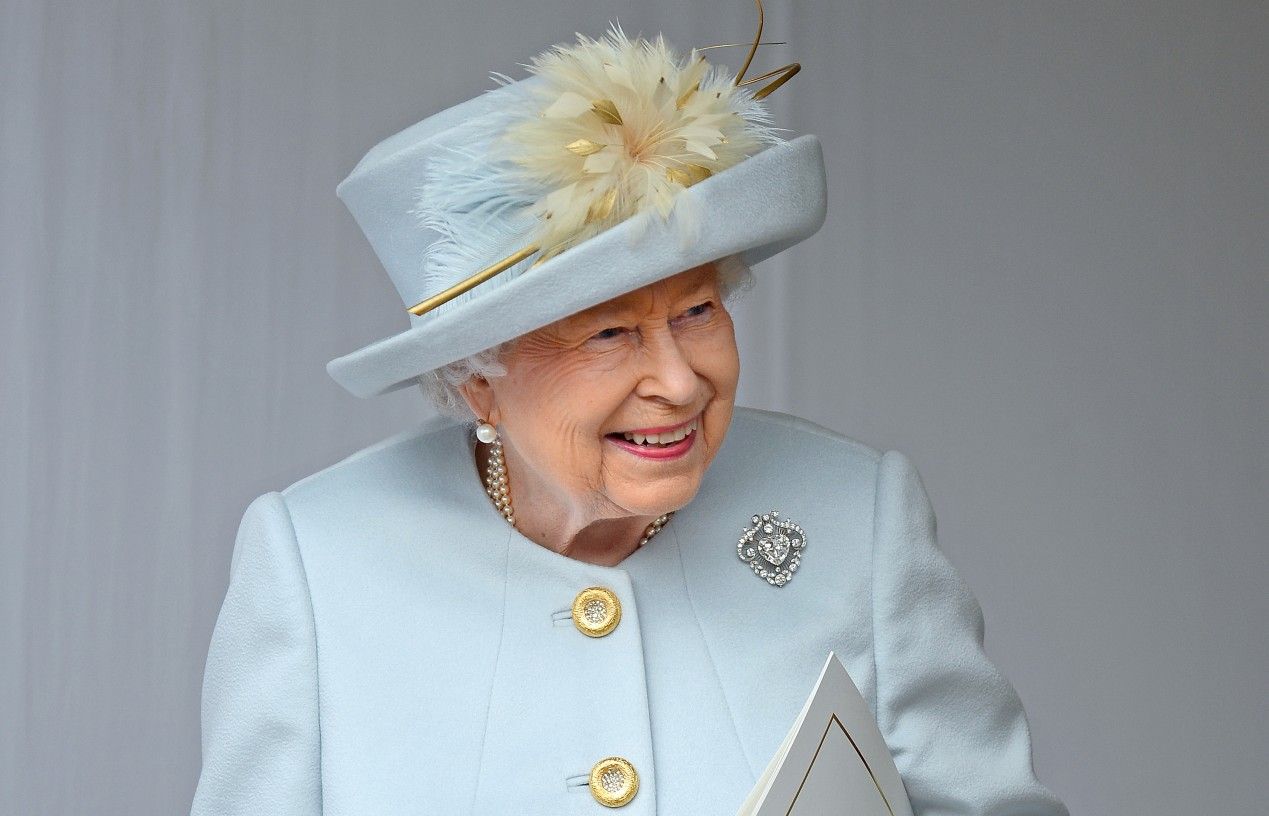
(765,444)
(382,508)
(408,464)
(790,427)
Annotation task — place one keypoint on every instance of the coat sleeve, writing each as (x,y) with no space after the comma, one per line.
(955,726)
(260,738)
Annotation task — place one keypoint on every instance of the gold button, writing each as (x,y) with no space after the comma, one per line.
(596,611)
(613,781)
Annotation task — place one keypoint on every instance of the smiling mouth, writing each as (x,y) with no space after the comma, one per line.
(660,440)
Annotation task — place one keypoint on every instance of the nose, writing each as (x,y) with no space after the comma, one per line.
(668,373)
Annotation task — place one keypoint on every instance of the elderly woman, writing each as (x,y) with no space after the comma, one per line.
(559,604)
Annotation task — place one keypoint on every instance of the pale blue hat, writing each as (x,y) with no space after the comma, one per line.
(447,197)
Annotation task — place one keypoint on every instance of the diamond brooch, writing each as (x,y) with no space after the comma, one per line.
(772,547)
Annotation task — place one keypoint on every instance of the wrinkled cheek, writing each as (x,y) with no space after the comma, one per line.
(585,461)
(721,409)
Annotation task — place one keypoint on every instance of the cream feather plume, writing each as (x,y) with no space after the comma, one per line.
(624,126)
(608,129)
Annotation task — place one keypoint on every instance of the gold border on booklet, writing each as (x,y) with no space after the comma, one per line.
(833,719)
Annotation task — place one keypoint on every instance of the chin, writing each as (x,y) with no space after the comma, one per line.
(660,496)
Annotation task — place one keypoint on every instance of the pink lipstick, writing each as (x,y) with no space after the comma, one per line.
(666,442)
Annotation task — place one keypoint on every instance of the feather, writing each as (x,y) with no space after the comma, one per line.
(615,129)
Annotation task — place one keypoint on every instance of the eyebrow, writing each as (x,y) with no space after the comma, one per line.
(605,311)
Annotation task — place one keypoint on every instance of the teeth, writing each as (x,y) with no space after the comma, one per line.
(667,438)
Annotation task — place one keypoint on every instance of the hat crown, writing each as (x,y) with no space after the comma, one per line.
(383,191)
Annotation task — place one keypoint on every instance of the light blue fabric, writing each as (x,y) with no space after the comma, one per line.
(389,645)
(756,208)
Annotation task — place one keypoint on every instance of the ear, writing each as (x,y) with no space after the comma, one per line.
(480,398)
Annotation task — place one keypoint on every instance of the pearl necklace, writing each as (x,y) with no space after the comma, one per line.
(500,493)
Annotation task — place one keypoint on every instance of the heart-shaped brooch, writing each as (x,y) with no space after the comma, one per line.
(772,547)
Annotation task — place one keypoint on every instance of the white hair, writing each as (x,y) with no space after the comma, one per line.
(440,385)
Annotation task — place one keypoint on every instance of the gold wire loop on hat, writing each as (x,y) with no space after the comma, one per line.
(786,73)
(753,49)
(782,74)
(737,45)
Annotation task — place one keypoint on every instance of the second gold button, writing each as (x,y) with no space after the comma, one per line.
(613,781)
(596,611)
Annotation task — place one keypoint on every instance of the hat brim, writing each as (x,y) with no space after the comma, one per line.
(758,207)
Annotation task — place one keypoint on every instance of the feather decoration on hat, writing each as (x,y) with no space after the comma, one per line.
(604,130)
(624,126)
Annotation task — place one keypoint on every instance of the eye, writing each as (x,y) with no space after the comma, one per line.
(608,334)
(699,310)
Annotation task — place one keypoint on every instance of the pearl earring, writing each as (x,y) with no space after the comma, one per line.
(486,433)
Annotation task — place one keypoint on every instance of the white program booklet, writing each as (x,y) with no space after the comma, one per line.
(833,761)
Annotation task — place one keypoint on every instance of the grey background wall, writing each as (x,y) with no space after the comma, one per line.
(1043,277)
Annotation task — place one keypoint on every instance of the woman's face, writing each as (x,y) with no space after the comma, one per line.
(661,359)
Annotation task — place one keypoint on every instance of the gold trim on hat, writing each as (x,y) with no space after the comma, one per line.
(424,306)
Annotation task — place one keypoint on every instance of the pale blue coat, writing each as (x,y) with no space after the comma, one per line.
(390,645)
